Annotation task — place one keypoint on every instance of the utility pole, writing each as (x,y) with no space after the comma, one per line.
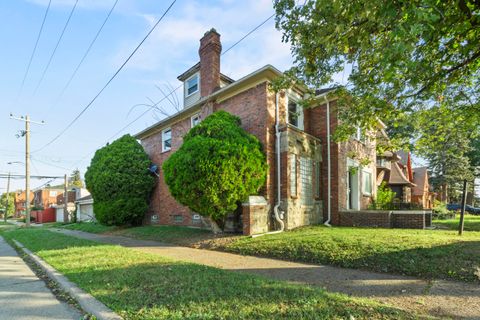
(65,200)
(26,134)
(462,211)
(8,196)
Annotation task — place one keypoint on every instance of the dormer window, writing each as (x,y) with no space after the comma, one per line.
(191,85)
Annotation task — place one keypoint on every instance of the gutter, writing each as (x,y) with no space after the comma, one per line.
(329,167)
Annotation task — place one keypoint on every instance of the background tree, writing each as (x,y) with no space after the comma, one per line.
(218,165)
(404,54)
(119,182)
(11,203)
(409,61)
(76,179)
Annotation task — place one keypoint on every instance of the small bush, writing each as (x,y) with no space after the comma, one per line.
(384,199)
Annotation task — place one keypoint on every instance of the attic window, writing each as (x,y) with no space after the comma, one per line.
(191,85)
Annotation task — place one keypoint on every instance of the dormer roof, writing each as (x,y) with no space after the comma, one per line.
(187,74)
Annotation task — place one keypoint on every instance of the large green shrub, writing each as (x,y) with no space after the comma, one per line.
(218,165)
(119,182)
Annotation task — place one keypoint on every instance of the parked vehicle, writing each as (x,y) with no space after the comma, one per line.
(468,208)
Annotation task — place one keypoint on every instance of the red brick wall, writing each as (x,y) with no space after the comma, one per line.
(254,107)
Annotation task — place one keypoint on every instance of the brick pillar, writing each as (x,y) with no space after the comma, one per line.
(210,49)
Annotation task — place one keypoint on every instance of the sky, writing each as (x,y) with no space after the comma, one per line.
(170,50)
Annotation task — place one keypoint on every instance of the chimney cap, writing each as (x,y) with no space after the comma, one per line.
(212,30)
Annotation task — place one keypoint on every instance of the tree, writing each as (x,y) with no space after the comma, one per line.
(76,179)
(217,166)
(444,140)
(11,203)
(404,55)
(119,182)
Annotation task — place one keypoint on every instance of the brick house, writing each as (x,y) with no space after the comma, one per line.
(20,202)
(306,168)
(46,197)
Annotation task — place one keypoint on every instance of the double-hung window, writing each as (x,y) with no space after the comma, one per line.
(191,85)
(295,113)
(166,139)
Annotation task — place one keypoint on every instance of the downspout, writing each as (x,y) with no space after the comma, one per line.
(276,209)
(329,168)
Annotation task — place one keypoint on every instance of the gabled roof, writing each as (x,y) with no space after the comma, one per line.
(86,198)
(420,178)
(184,76)
(265,73)
(398,177)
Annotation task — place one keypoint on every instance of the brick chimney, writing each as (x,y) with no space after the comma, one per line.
(209,52)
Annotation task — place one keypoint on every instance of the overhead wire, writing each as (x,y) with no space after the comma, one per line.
(108,82)
(165,97)
(56,47)
(87,51)
(34,48)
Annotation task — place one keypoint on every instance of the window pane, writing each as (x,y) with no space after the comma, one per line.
(306,180)
(167,140)
(192,85)
(292,113)
(367,182)
(317,179)
(293,175)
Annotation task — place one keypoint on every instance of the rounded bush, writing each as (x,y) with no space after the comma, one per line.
(119,182)
(218,165)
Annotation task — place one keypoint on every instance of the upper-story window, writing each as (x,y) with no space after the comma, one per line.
(53,193)
(295,113)
(166,139)
(360,135)
(195,119)
(191,85)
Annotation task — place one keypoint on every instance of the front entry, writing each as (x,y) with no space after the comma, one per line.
(353,202)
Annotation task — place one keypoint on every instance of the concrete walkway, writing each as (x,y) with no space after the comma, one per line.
(438,298)
(23,296)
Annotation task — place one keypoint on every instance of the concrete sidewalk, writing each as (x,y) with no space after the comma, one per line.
(23,296)
(439,298)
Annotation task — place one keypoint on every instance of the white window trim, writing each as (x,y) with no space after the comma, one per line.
(186,85)
(163,144)
(364,192)
(300,117)
(194,116)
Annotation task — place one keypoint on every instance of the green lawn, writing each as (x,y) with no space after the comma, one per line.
(145,286)
(471,223)
(431,254)
(92,227)
(423,253)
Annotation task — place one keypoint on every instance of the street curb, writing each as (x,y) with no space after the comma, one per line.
(88,303)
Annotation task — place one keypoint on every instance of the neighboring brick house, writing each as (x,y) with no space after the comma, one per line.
(421,193)
(303,137)
(20,206)
(47,197)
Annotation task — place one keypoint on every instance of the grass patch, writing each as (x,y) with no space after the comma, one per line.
(430,254)
(145,286)
(471,223)
(92,227)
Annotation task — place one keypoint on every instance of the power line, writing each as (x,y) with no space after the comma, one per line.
(171,92)
(88,50)
(251,31)
(108,82)
(56,47)
(35,47)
